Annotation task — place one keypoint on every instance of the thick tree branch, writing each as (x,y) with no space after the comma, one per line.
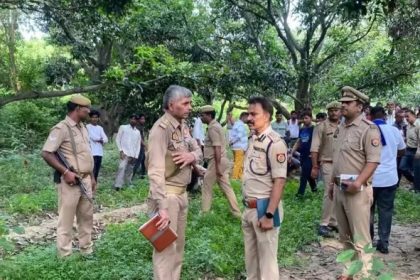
(33,94)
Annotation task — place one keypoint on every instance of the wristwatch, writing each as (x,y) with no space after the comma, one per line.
(269,215)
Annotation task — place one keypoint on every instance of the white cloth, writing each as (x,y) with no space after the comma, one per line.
(386,174)
(96,134)
(390,118)
(294,128)
(198,132)
(129,140)
(239,136)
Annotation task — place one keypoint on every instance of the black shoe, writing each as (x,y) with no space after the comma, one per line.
(381,248)
(325,231)
(333,228)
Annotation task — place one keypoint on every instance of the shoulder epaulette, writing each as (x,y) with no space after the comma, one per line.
(273,136)
(60,125)
(368,122)
(164,123)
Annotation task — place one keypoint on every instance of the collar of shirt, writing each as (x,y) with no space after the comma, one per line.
(71,122)
(263,134)
(355,122)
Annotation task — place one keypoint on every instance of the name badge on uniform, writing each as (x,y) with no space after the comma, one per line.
(175,136)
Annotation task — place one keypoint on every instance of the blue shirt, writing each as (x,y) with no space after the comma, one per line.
(239,136)
(305,137)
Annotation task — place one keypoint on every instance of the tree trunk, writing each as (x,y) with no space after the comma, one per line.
(302,93)
(10,30)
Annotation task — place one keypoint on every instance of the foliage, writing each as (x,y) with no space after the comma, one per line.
(24,126)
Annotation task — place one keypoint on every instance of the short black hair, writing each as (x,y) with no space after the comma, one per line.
(306,114)
(411,112)
(377,112)
(293,112)
(141,115)
(94,113)
(265,103)
(243,114)
(133,116)
(279,113)
(321,115)
(71,106)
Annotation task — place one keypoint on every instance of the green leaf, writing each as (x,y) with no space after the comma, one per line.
(386,276)
(355,267)
(345,256)
(368,249)
(377,265)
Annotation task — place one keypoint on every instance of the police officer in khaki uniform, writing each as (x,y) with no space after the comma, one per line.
(265,171)
(321,156)
(216,157)
(170,156)
(70,199)
(356,152)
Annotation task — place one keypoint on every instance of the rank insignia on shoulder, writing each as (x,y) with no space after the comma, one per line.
(281,158)
(375,142)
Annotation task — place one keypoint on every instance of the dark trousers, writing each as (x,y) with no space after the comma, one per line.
(383,199)
(416,168)
(399,170)
(305,175)
(140,163)
(97,162)
(406,164)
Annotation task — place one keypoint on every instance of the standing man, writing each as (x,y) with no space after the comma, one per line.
(322,156)
(239,144)
(72,139)
(303,146)
(140,162)
(129,143)
(357,152)
(171,153)
(218,164)
(280,126)
(390,114)
(293,127)
(401,125)
(264,179)
(97,138)
(406,164)
(198,132)
(385,178)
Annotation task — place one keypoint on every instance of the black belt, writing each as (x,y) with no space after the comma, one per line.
(411,149)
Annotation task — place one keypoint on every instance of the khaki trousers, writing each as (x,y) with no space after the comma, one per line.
(210,178)
(71,202)
(238,164)
(353,217)
(328,213)
(260,248)
(168,263)
(125,172)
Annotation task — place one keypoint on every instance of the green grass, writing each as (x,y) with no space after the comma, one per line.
(27,188)
(214,246)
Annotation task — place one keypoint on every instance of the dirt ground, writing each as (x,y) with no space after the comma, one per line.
(318,258)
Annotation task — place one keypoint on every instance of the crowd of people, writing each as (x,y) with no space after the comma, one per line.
(358,151)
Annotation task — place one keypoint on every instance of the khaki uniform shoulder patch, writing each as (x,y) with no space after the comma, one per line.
(273,136)
(164,123)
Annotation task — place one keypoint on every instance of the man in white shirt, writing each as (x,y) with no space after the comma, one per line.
(129,143)
(385,178)
(239,143)
(198,133)
(390,114)
(97,139)
(293,126)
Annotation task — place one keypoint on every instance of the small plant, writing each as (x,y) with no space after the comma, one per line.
(354,266)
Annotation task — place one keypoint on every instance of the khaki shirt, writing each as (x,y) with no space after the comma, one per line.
(59,138)
(355,145)
(215,137)
(260,171)
(412,135)
(167,136)
(322,140)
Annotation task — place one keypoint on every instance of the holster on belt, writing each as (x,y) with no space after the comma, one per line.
(250,202)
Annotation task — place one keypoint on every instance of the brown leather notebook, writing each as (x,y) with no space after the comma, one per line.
(160,239)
